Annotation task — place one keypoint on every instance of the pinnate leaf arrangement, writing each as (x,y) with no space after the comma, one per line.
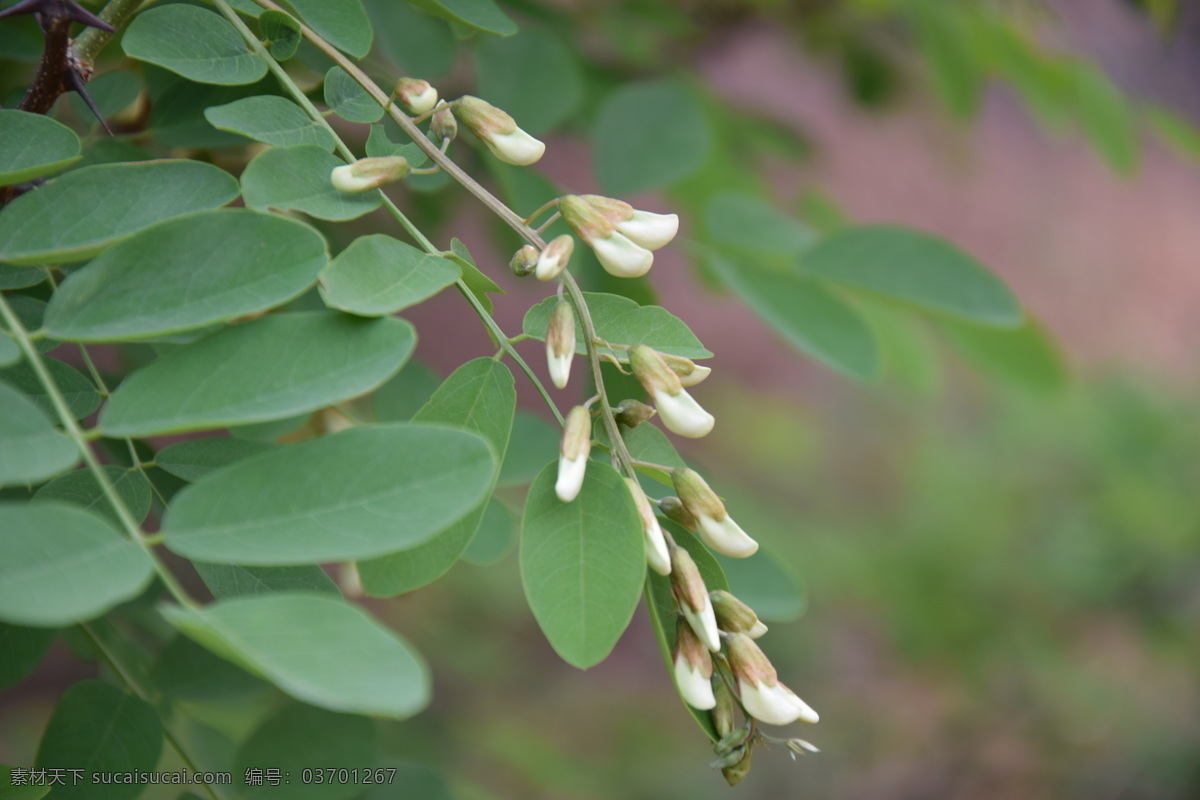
(255,330)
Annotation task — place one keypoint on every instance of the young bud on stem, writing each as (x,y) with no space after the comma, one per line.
(692,597)
(717,528)
(416,95)
(443,125)
(632,413)
(656,545)
(524,261)
(679,412)
(368,173)
(734,616)
(498,131)
(734,774)
(573,455)
(676,511)
(724,709)
(560,343)
(693,668)
(554,258)
(763,696)
(643,228)
(619,255)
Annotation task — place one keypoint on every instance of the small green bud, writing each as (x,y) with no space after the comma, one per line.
(734,774)
(677,512)
(443,125)
(734,616)
(729,758)
(524,261)
(632,413)
(725,711)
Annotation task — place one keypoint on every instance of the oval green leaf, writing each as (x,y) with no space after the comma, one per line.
(80,488)
(619,320)
(348,100)
(479,397)
(233,580)
(1026,356)
(649,135)
(75,216)
(271,119)
(31,450)
(343,24)
(582,563)
(377,490)
(34,145)
(200,269)
(75,387)
(533,439)
(60,565)
(270,368)
(378,275)
(193,42)
(747,222)
(807,315)
(281,33)
(297,179)
(317,649)
(192,460)
(98,728)
(23,650)
(917,269)
(482,15)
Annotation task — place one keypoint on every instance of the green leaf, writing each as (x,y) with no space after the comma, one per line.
(35,145)
(533,76)
(766,584)
(648,135)
(348,100)
(917,269)
(948,42)
(1026,356)
(20,791)
(661,604)
(299,739)
(281,32)
(231,580)
(1176,131)
(582,563)
(380,146)
(404,395)
(297,179)
(10,353)
(196,458)
(807,315)
(81,488)
(197,270)
(479,397)
(186,671)
(343,24)
(533,440)
(906,349)
(479,283)
(317,649)
(60,565)
(482,15)
(20,277)
(495,537)
(267,118)
(646,443)
(23,650)
(750,223)
(621,321)
(1106,117)
(75,216)
(193,42)
(410,41)
(30,310)
(270,368)
(379,489)
(378,275)
(31,450)
(76,388)
(98,728)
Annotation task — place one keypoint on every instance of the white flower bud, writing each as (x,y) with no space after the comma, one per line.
(690,373)
(735,616)
(656,545)
(368,173)
(692,597)
(573,456)
(763,696)
(683,415)
(553,259)
(643,228)
(560,343)
(693,668)
(616,253)
(524,261)
(716,527)
(416,95)
(499,131)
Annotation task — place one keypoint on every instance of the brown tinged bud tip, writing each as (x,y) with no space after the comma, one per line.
(677,512)
(555,257)
(369,173)
(717,528)
(499,131)
(560,343)
(733,775)
(632,413)
(524,261)
(693,668)
(734,616)
(574,451)
(689,372)
(416,95)
(692,597)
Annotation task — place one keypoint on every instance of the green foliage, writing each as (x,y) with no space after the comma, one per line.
(193,42)
(377,276)
(43,146)
(269,119)
(30,448)
(296,178)
(621,321)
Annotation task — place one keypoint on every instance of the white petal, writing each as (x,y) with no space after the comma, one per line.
(420,103)
(517,148)
(656,550)
(695,688)
(757,630)
(651,231)
(570,477)
(560,367)
(344,180)
(697,374)
(621,257)
(683,415)
(726,537)
(704,624)
(549,265)
(774,705)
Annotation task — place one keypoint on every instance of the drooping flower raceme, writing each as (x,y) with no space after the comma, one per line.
(763,696)
(716,527)
(678,411)
(573,454)
(499,131)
